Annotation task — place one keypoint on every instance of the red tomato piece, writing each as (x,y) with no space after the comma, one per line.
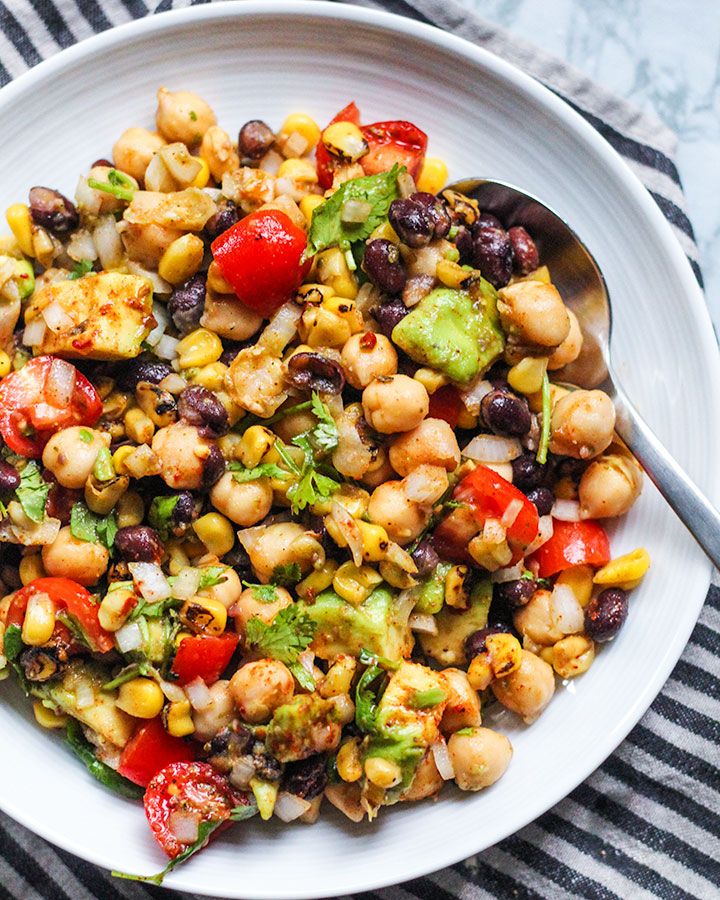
(205,656)
(324,161)
(489,495)
(446,404)
(573,544)
(193,789)
(261,258)
(393,142)
(69,595)
(29,415)
(151,749)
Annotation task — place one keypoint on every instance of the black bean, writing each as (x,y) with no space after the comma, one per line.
(60,500)
(488,220)
(606,614)
(475,642)
(187,302)
(10,576)
(213,467)
(528,473)
(515,593)
(388,314)
(463,240)
(143,368)
(9,478)
(226,216)
(505,413)
(232,348)
(105,163)
(493,255)
(543,498)
(306,778)
(383,265)
(200,407)
(425,558)
(437,211)
(412,221)
(139,543)
(315,372)
(52,210)
(525,254)
(184,511)
(255,139)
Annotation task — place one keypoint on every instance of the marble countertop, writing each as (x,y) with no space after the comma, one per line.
(661,55)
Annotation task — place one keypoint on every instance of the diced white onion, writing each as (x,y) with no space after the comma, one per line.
(81,246)
(289,807)
(150,581)
(128,638)
(270,163)
(425,484)
(84,695)
(401,558)
(34,332)
(442,759)
(248,537)
(198,694)
(160,287)
(88,198)
(184,826)
(509,573)
(295,145)
(173,692)
(492,448)
(108,243)
(566,511)
(355,211)
(163,320)
(348,528)
(173,383)
(186,583)
(406,184)
(167,347)
(60,383)
(474,394)
(423,622)
(512,511)
(307,661)
(281,329)
(567,614)
(242,772)
(545,532)
(416,288)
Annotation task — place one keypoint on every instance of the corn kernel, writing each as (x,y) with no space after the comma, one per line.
(321,328)
(182,259)
(346,308)
(317,581)
(216,280)
(216,532)
(265,793)
(309,204)
(383,773)
(430,379)
(48,718)
(119,457)
(211,376)
(450,273)
(235,412)
(256,442)
(300,123)
(39,622)
(332,269)
(395,576)
(31,567)
(626,571)
(467,420)
(138,426)
(348,762)
(540,274)
(573,655)
(527,375)
(177,557)
(505,653)
(480,674)
(339,677)
(433,175)
(18,218)
(141,698)
(203,176)
(385,232)
(204,615)
(130,508)
(580,581)
(115,607)
(375,541)
(179,719)
(344,140)
(301,170)
(5,364)
(456,593)
(354,583)
(199,348)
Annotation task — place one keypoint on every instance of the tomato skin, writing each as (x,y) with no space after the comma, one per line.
(23,402)
(260,256)
(188,787)
(69,595)
(446,404)
(205,656)
(582,543)
(489,495)
(151,749)
(324,162)
(393,142)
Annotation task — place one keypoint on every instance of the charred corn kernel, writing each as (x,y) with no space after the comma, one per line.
(385,232)
(339,677)
(130,508)
(216,280)
(256,442)
(321,328)
(480,673)
(318,580)
(345,140)
(395,576)
(456,592)
(433,175)
(383,773)
(141,698)
(18,218)
(179,719)
(265,793)
(546,653)
(375,541)
(626,571)
(345,307)
(300,123)
(182,259)
(336,535)
(31,567)
(332,269)
(430,379)
(139,427)
(299,170)
(309,204)
(355,583)
(527,375)
(48,718)
(39,622)
(203,176)
(450,273)
(580,581)
(211,376)
(311,293)
(355,500)
(177,557)
(199,348)
(204,615)
(5,364)
(540,274)
(505,653)
(348,762)
(115,607)
(573,655)
(216,532)
(119,457)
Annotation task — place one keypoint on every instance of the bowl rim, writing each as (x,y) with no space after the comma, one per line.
(544,98)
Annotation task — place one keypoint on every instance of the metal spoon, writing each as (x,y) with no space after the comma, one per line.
(579,279)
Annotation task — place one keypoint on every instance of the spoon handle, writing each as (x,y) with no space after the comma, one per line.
(692,507)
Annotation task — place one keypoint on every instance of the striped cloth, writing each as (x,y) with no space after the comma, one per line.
(646,823)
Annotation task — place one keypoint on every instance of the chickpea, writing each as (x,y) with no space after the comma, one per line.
(401,518)
(69,557)
(527,690)
(535,620)
(70,454)
(479,759)
(533,315)
(145,244)
(569,350)
(379,471)
(365,360)
(289,427)
(463,704)
(259,687)
(582,424)
(182,452)
(433,442)
(427,780)
(248,606)
(228,317)
(609,486)
(395,403)
(227,592)
(244,503)
(217,715)
(282,544)
(218,152)
(183,116)
(134,149)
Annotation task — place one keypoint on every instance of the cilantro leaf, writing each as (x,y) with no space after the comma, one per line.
(153,610)
(286,575)
(264,470)
(212,575)
(304,678)
(12,642)
(426,699)
(205,830)
(265,593)
(160,515)
(289,633)
(368,658)
(103,773)
(82,267)
(33,492)
(328,229)
(367,697)
(325,434)
(247,811)
(86,525)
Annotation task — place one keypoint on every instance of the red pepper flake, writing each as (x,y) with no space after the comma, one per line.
(368,340)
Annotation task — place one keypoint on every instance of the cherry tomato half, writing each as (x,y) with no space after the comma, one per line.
(393,142)
(573,544)
(203,656)
(446,404)
(150,749)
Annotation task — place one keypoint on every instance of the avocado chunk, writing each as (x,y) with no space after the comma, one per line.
(109,316)
(297,726)
(452,332)
(431,593)
(455,625)
(379,624)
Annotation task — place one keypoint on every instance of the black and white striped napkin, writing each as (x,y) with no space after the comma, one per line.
(647,823)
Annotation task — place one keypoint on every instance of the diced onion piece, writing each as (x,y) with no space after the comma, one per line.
(180,164)
(567,614)
(295,145)
(167,347)
(423,622)
(60,383)
(81,246)
(242,772)
(474,394)
(442,759)
(282,328)
(128,638)
(355,211)
(348,528)
(198,694)
(160,286)
(509,573)
(416,288)
(406,184)
(248,537)
(401,558)
(88,198)
(150,581)
(34,332)
(491,448)
(307,661)
(84,695)
(186,583)
(289,807)
(511,513)
(566,511)
(108,243)
(426,484)
(56,318)
(184,826)
(173,692)
(173,383)
(545,532)
(271,162)
(163,320)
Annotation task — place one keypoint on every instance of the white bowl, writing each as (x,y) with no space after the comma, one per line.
(484,117)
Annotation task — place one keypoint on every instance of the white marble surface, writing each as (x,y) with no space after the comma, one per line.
(663,56)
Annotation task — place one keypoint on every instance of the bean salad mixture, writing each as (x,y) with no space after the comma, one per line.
(292,488)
